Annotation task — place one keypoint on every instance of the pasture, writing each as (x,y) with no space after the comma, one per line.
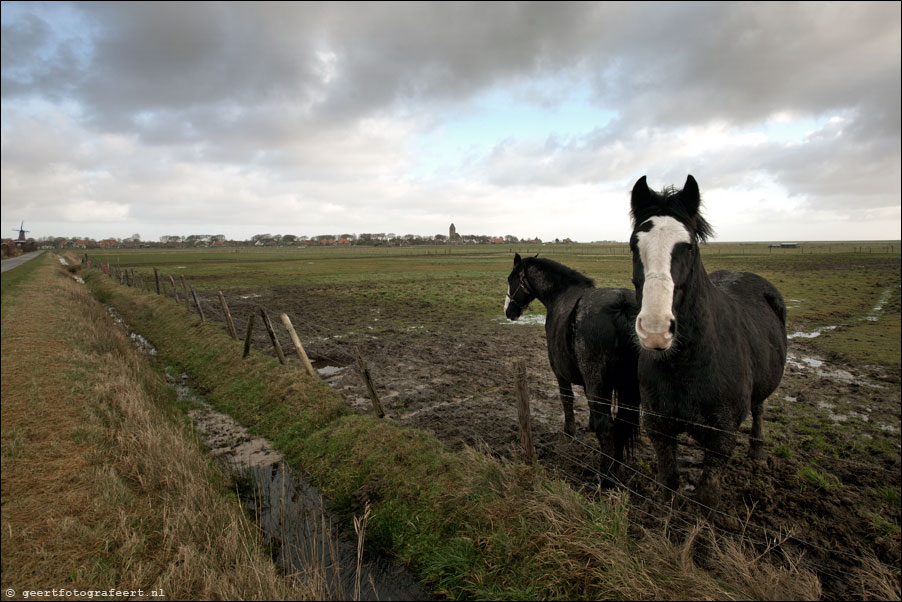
(429,323)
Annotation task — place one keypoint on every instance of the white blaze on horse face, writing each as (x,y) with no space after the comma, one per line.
(653,325)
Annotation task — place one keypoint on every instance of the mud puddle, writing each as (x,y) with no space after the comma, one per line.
(308,542)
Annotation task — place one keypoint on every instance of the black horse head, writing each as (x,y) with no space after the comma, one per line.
(667,228)
(519,293)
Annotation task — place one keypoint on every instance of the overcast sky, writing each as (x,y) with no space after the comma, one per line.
(530,119)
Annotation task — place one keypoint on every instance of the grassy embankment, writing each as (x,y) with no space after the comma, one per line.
(472,526)
(103,485)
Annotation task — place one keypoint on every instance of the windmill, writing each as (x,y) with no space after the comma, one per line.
(21,240)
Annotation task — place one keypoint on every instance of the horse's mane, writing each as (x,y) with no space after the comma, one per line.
(559,274)
(668,202)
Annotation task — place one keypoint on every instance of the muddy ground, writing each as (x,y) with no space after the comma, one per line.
(831,479)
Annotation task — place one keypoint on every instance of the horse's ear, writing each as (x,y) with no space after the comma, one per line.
(640,196)
(690,196)
(517,260)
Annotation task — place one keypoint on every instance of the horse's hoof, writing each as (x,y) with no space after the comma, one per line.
(756,452)
(708,498)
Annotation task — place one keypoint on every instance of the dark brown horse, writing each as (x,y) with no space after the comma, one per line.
(589,332)
(713,346)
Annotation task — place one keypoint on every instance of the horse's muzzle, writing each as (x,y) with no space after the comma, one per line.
(655,341)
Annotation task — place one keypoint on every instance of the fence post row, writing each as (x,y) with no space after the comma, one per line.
(132,278)
(272,336)
(228,317)
(529,450)
(247,336)
(377,404)
(305,361)
(175,292)
(200,309)
(185,291)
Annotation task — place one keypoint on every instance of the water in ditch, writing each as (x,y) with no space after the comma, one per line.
(307,541)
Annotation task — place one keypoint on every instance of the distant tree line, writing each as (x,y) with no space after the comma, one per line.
(374,239)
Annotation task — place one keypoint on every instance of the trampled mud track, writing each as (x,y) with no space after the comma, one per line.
(832,429)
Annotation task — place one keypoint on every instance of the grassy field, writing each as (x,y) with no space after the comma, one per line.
(825,284)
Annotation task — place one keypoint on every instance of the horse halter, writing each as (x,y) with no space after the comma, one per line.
(524,285)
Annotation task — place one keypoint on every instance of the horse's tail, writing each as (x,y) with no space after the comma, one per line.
(775,301)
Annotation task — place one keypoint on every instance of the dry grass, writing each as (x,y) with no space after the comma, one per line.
(102,486)
(591,550)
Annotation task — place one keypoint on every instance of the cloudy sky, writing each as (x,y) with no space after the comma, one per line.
(530,119)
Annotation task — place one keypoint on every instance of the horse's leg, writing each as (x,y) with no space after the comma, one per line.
(717,454)
(566,391)
(756,440)
(664,440)
(602,424)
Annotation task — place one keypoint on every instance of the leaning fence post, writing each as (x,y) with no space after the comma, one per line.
(200,309)
(272,336)
(377,405)
(228,316)
(297,345)
(175,291)
(247,336)
(529,451)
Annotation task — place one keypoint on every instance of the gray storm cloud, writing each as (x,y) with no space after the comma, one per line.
(320,102)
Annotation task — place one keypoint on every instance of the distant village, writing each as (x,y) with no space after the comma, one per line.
(278,240)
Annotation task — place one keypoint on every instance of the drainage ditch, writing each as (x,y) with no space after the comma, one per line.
(307,541)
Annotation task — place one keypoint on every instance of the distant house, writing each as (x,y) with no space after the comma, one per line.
(785,245)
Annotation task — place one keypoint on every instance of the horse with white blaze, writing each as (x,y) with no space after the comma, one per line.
(713,347)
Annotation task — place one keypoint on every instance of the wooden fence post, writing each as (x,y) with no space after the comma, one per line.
(175,291)
(305,361)
(272,336)
(377,405)
(529,451)
(247,336)
(156,277)
(200,309)
(228,316)
(185,290)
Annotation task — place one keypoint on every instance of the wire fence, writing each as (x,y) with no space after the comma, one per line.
(481,377)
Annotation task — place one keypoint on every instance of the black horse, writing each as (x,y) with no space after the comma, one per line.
(589,332)
(714,346)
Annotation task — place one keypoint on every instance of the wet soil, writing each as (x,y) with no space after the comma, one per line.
(828,488)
